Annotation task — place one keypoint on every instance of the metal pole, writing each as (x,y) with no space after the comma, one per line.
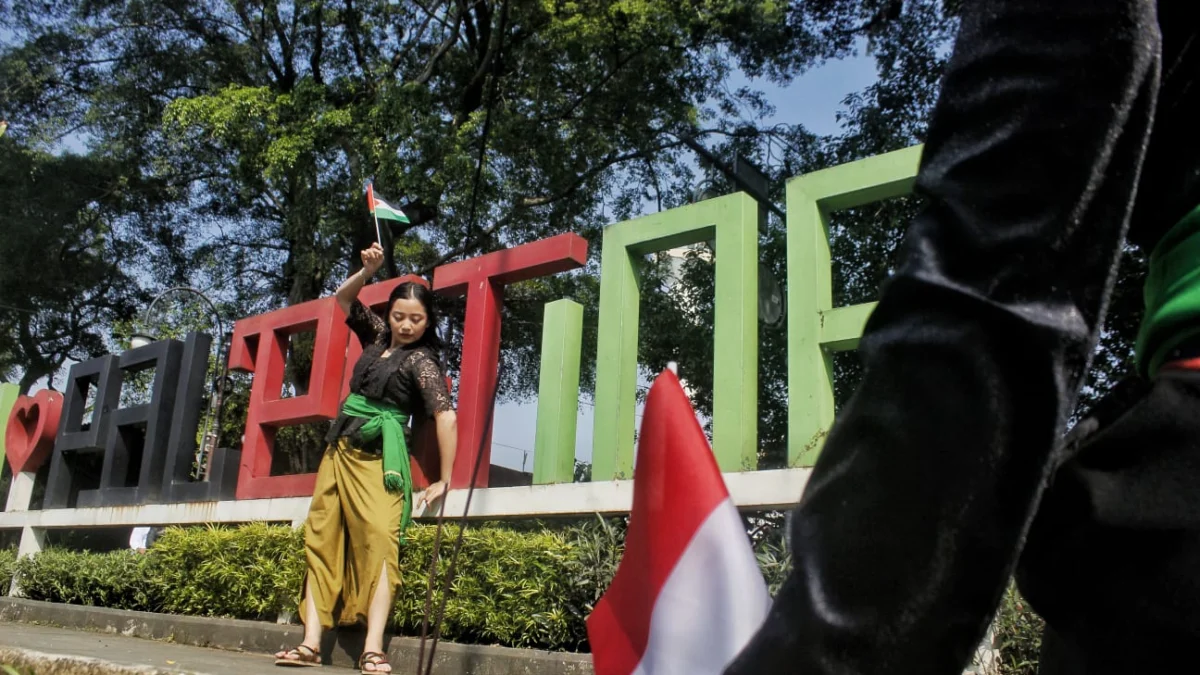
(733,175)
(219,386)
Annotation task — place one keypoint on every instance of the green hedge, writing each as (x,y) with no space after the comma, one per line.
(1018,635)
(510,588)
(519,586)
(248,572)
(120,580)
(8,559)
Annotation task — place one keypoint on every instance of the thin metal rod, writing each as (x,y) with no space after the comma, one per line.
(220,383)
(426,668)
(729,173)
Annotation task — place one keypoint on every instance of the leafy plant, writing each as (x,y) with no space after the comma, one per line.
(597,548)
(1018,635)
(774,559)
(8,559)
(525,585)
(120,580)
(249,572)
(509,587)
(520,585)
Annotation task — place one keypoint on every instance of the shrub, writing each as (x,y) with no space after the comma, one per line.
(1018,635)
(774,560)
(523,585)
(120,580)
(8,560)
(596,550)
(509,587)
(249,572)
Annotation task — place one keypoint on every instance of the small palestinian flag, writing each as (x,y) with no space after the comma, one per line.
(383,210)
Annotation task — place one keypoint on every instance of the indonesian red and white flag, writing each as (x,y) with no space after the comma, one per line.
(688,595)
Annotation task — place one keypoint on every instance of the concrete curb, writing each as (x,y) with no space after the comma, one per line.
(25,660)
(340,648)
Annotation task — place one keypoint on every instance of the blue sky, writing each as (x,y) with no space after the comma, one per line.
(812,100)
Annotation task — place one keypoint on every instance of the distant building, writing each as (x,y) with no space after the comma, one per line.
(502,476)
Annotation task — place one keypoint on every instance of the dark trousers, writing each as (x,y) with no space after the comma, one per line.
(1113,558)
(1063,128)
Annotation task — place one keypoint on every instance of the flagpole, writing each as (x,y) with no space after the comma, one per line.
(371,205)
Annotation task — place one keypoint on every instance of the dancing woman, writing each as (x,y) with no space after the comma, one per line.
(363,498)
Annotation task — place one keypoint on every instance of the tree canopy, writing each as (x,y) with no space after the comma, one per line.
(226,144)
(68,259)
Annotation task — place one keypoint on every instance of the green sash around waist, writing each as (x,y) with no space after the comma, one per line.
(1172,295)
(387,421)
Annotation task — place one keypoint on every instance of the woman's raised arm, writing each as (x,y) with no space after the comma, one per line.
(372,259)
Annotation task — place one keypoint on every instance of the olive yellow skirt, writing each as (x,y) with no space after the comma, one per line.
(352,532)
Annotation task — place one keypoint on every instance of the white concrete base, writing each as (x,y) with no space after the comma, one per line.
(283,510)
(32,542)
(758,490)
(986,655)
(20,493)
(750,490)
(33,539)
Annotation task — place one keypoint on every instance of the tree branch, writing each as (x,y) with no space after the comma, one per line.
(352,23)
(432,13)
(318,14)
(533,202)
(487,123)
(657,186)
(398,57)
(254,245)
(594,88)
(37,365)
(472,94)
(257,40)
(285,45)
(604,165)
(467,246)
(442,50)
(472,37)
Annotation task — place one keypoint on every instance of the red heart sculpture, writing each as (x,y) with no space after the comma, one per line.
(32,426)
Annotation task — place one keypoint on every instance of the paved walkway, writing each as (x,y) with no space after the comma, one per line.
(127,637)
(129,651)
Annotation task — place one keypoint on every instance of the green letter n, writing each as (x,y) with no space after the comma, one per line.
(733,222)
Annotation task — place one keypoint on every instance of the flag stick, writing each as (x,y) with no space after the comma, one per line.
(371,206)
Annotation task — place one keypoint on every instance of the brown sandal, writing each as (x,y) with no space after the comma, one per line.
(375,659)
(302,659)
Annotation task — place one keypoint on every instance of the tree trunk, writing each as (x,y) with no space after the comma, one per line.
(32,375)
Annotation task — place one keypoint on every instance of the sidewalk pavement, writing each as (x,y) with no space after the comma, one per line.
(34,648)
(177,634)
